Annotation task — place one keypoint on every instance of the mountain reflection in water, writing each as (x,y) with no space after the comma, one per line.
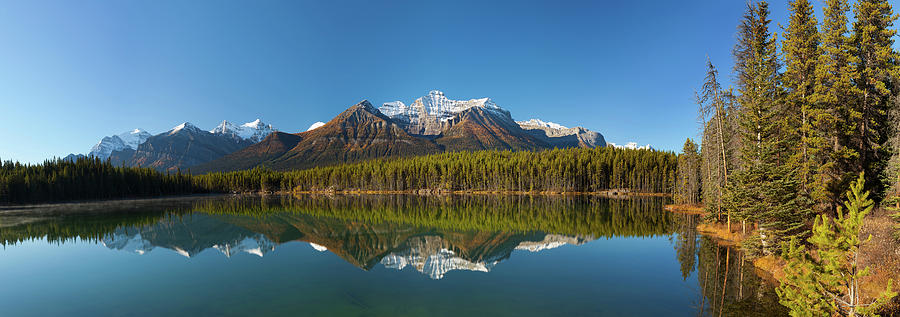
(430,252)
(431,235)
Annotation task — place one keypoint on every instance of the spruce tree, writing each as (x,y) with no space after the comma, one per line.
(872,40)
(835,95)
(764,189)
(687,185)
(801,52)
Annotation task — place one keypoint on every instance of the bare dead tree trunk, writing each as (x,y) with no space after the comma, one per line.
(725,282)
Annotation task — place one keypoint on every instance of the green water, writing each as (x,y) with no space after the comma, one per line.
(371,256)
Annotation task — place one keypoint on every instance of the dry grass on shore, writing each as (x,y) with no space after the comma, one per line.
(881,254)
(720,232)
(686,209)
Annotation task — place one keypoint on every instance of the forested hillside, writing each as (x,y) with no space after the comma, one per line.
(559,170)
(85,178)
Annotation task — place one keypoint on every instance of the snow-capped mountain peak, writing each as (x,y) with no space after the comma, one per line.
(394,108)
(224,128)
(187,126)
(430,114)
(315,125)
(434,105)
(125,140)
(256,124)
(541,123)
(253,131)
(630,146)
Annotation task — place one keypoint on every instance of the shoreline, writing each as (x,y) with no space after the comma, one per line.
(429,192)
(881,254)
(61,205)
(685,209)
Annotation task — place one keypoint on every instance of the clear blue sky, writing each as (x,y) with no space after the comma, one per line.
(72,72)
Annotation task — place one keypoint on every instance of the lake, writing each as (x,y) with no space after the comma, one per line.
(378,255)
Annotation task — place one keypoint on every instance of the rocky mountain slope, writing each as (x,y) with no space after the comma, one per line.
(480,128)
(559,136)
(181,147)
(253,131)
(126,140)
(433,113)
(431,124)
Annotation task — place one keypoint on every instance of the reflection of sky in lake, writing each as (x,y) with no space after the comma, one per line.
(336,268)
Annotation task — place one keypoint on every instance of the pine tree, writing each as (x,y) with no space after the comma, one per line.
(829,282)
(872,40)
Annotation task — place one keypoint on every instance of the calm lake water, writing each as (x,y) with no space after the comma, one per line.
(371,256)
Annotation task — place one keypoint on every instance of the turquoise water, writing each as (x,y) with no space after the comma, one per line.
(370,256)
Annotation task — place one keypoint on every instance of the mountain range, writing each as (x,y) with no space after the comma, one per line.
(430,124)
(432,253)
(182,146)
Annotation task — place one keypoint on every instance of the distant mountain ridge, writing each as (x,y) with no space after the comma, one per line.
(125,140)
(430,124)
(630,146)
(561,136)
(253,131)
(183,146)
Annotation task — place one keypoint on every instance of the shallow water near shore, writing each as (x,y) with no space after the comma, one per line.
(373,255)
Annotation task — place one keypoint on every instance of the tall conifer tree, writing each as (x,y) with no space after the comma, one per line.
(872,40)
(764,189)
(687,185)
(801,51)
(715,116)
(835,95)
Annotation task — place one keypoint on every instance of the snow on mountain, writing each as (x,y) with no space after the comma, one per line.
(434,105)
(540,123)
(437,264)
(552,241)
(134,138)
(187,127)
(257,245)
(125,140)
(630,146)
(315,125)
(430,114)
(559,135)
(131,239)
(318,247)
(253,131)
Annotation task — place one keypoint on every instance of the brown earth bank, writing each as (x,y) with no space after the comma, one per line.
(881,253)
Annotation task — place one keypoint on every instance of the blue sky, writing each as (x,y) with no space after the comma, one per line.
(72,72)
